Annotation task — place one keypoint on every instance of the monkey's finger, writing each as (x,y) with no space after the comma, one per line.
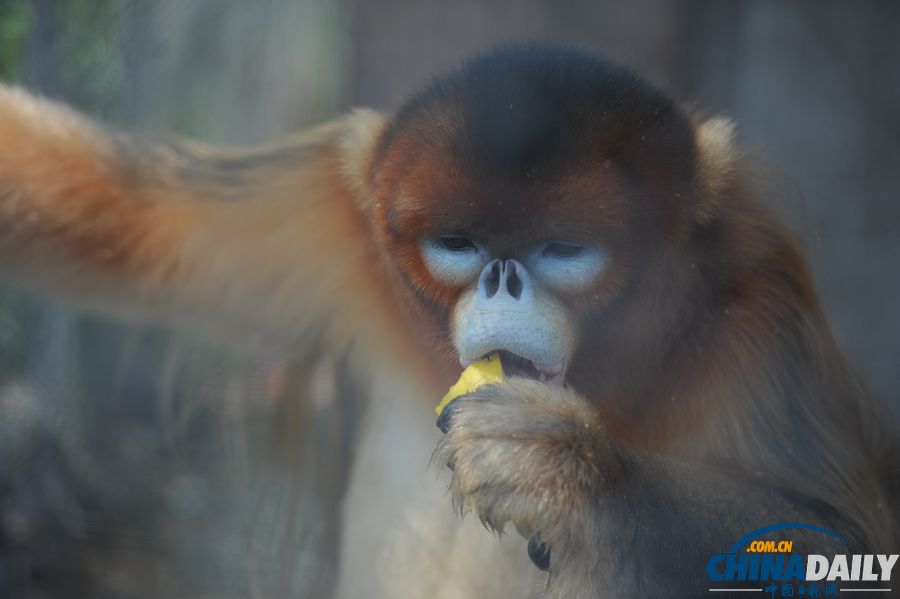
(444,418)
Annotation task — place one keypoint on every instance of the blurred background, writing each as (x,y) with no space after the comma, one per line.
(137,462)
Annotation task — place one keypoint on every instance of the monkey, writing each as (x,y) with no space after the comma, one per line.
(672,379)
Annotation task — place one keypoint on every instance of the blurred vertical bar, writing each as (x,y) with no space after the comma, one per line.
(142,463)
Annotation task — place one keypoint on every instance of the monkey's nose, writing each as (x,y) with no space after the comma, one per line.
(504,277)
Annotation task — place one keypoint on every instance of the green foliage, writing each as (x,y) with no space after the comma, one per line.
(90,53)
(16,20)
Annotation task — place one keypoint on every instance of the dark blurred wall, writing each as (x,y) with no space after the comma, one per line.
(815,88)
(400,43)
(813,85)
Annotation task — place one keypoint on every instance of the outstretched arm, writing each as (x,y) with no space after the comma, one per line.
(267,242)
(609,521)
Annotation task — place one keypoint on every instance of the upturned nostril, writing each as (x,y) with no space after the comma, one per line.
(492,281)
(513,282)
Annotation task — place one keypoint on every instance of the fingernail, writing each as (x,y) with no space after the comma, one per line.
(443,421)
(538,552)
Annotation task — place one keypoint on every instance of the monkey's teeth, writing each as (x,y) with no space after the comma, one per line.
(551,369)
(557,379)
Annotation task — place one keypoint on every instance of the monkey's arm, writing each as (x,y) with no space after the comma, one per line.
(269,241)
(617,523)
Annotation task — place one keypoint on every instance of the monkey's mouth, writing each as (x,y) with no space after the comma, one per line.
(515,365)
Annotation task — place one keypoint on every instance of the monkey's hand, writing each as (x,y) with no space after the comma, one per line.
(540,457)
(527,453)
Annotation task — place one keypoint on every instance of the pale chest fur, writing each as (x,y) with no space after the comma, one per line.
(401,536)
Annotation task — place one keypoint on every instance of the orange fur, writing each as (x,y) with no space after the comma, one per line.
(266,244)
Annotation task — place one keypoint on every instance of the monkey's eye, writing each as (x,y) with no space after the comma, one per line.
(566,266)
(560,249)
(453,259)
(458,243)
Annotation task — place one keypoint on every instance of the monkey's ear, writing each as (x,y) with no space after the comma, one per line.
(269,243)
(357,149)
(717,163)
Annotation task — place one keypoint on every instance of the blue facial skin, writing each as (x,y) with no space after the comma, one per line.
(514,305)
(561,266)
(453,266)
(566,267)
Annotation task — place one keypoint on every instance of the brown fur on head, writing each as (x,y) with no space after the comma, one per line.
(525,145)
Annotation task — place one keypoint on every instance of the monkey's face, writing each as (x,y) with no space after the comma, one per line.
(501,266)
(516,213)
(517,266)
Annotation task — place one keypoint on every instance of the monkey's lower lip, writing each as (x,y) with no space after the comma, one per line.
(518,366)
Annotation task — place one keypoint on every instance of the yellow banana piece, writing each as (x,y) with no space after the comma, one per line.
(483,372)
